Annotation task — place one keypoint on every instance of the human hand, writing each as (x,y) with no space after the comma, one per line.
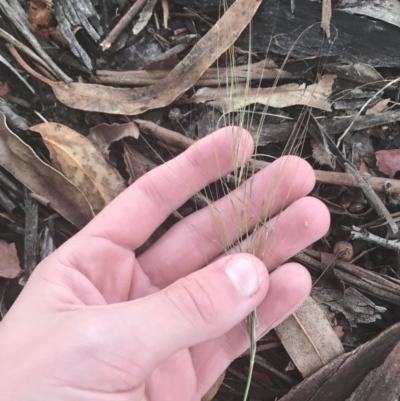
(96,323)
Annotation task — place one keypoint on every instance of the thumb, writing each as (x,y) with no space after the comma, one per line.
(196,308)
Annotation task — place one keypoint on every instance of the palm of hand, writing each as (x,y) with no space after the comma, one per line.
(156,328)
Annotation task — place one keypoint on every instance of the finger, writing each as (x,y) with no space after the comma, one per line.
(134,215)
(197,308)
(204,235)
(289,287)
(300,225)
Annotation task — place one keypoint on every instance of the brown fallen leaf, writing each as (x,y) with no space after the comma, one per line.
(104,135)
(321,156)
(326,17)
(9,262)
(309,338)
(91,97)
(388,161)
(379,107)
(85,166)
(21,161)
(40,16)
(315,95)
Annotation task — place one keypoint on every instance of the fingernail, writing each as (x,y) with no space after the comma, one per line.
(245,274)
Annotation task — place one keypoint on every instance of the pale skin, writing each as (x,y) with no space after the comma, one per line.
(95,323)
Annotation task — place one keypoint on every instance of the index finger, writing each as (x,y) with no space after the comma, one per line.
(135,214)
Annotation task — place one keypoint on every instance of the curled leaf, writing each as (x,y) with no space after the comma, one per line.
(85,166)
(104,135)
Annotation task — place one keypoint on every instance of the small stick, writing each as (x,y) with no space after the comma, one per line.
(123,22)
(359,233)
(373,198)
(27,68)
(165,135)
(379,184)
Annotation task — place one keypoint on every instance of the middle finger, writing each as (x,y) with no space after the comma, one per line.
(195,241)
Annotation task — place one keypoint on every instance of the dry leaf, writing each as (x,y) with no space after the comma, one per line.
(21,161)
(388,161)
(9,262)
(315,95)
(40,17)
(321,156)
(309,339)
(326,17)
(379,107)
(85,166)
(221,36)
(104,135)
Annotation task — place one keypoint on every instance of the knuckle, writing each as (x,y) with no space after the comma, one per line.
(194,301)
(149,190)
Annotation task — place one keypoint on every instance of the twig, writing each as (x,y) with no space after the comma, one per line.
(165,135)
(373,198)
(27,68)
(379,184)
(367,281)
(123,22)
(359,233)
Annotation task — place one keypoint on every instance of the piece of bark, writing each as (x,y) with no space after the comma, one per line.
(370,373)
(359,40)
(354,306)
(384,10)
(386,289)
(73,13)
(273,133)
(13,119)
